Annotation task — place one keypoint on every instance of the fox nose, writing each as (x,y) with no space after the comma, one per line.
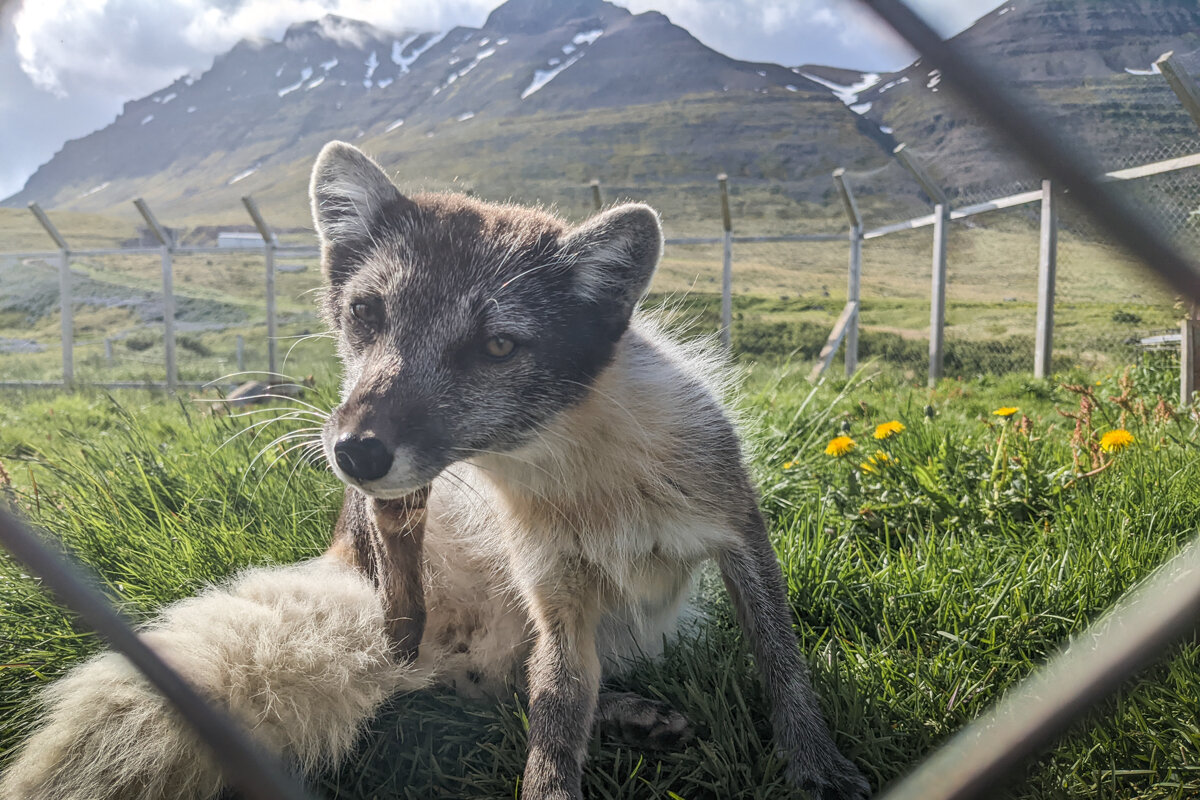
(363,458)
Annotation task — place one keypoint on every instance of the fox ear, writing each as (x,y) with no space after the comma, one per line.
(347,190)
(614,255)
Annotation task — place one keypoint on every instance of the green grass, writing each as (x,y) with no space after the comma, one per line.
(920,591)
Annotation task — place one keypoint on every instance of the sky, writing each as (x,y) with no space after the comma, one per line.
(67,66)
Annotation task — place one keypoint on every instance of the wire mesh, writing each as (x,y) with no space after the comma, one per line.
(991,293)
(1109,313)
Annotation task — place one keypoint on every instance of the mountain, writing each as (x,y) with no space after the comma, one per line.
(1086,65)
(545,96)
(550,94)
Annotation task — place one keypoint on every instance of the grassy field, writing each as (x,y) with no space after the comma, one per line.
(922,587)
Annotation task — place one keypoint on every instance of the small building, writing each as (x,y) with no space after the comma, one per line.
(238,239)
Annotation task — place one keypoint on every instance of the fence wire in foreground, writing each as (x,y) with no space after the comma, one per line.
(1138,631)
(1135,633)
(245,766)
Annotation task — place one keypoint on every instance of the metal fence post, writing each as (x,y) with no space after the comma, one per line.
(168,245)
(937,291)
(937,294)
(597,200)
(1188,330)
(726,265)
(1181,83)
(66,309)
(854,279)
(269,245)
(1047,269)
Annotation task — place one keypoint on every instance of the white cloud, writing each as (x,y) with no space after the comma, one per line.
(132,47)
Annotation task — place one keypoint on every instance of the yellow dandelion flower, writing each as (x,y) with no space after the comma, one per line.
(1116,441)
(872,464)
(840,446)
(888,429)
(1006,411)
(789,464)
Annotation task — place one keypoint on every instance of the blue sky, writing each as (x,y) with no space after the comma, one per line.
(67,66)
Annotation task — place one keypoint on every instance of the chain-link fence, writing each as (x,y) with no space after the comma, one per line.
(786,293)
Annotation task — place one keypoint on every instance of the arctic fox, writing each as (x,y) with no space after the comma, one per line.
(581,464)
(577,468)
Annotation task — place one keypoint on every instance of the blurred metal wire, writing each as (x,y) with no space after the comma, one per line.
(244,765)
(1138,631)
(1038,143)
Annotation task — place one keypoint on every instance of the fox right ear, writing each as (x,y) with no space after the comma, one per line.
(348,190)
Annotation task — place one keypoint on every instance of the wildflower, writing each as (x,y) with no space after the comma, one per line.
(1006,411)
(872,464)
(840,446)
(1116,441)
(789,464)
(888,429)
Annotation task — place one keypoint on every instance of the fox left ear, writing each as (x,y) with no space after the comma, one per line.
(614,255)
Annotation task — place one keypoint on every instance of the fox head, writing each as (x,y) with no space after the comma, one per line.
(464,327)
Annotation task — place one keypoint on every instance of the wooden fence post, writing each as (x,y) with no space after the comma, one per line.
(241,353)
(597,200)
(937,291)
(66,308)
(168,284)
(1047,273)
(854,278)
(726,265)
(269,245)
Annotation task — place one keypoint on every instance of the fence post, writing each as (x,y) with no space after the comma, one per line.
(1181,83)
(241,353)
(269,245)
(67,310)
(597,200)
(726,265)
(854,280)
(108,354)
(168,246)
(937,292)
(1047,273)
(1189,332)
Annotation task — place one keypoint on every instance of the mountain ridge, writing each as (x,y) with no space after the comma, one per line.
(550,92)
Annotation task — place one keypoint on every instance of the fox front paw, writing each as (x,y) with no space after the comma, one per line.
(832,778)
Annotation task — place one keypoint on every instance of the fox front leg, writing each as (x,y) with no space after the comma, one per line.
(384,539)
(754,580)
(564,681)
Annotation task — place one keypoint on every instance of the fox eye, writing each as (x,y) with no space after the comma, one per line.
(498,348)
(364,312)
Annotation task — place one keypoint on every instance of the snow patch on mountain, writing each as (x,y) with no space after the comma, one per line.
(847,94)
(541,77)
(398,48)
(305,74)
(241,176)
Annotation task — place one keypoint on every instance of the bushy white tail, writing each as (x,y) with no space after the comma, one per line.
(297,654)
